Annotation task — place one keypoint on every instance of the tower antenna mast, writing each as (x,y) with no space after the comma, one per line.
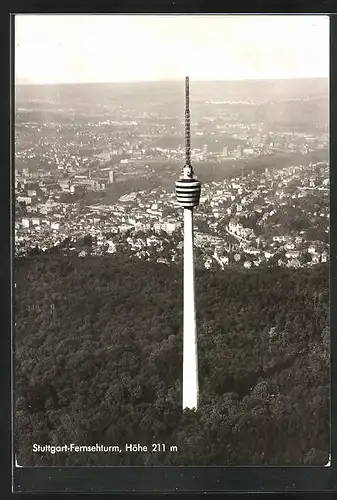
(188,190)
(187,123)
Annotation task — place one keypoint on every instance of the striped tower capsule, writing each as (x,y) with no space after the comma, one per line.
(188,189)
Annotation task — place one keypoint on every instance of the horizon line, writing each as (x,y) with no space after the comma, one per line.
(27,84)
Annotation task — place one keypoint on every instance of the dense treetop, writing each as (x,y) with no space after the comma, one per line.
(98,359)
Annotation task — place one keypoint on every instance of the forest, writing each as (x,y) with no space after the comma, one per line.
(98,359)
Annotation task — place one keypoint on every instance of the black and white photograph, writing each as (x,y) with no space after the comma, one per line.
(171,207)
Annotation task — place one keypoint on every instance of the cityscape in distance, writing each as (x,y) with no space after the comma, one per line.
(100,170)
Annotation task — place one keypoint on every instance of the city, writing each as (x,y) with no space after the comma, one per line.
(95,191)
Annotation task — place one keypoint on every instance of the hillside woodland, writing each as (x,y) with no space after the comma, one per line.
(98,359)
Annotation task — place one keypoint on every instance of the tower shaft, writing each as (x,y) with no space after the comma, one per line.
(190,356)
(188,190)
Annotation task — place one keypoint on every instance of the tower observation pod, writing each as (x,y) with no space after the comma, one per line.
(188,190)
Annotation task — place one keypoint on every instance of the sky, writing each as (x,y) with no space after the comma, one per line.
(129,48)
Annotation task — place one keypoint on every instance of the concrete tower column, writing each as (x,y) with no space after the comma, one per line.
(190,359)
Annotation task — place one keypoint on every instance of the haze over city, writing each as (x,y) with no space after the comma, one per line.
(116,48)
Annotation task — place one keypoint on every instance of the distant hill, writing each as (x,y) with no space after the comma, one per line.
(298,104)
(294,113)
(252,90)
(98,359)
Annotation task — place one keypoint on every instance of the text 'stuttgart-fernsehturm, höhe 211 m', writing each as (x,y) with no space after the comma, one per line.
(188,190)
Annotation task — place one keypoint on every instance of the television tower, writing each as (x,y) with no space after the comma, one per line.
(188,190)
